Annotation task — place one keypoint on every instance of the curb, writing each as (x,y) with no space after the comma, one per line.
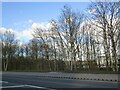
(97,79)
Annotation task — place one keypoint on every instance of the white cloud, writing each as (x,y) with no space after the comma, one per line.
(30,21)
(18,35)
(24,34)
(44,26)
(3,30)
(27,33)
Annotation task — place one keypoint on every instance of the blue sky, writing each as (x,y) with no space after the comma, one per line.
(20,16)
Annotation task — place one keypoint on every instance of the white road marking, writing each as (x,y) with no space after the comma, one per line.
(3,82)
(13,86)
(26,86)
(39,87)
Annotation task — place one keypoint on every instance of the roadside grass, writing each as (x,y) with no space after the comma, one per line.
(94,72)
(80,71)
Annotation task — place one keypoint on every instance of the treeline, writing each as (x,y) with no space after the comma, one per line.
(74,42)
(35,65)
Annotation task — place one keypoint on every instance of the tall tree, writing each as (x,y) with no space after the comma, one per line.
(7,48)
(68,27)
(106,17)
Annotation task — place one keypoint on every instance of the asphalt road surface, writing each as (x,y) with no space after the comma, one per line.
(18,82)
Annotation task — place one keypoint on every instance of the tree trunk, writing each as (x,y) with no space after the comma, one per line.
(114,55)
(6,65)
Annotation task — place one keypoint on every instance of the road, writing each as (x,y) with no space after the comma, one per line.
(10,80)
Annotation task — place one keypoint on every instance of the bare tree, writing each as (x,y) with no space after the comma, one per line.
(41,35)
(106,17)
(67,29)
(7,48)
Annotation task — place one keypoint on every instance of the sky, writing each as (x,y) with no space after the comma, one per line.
(22,16)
